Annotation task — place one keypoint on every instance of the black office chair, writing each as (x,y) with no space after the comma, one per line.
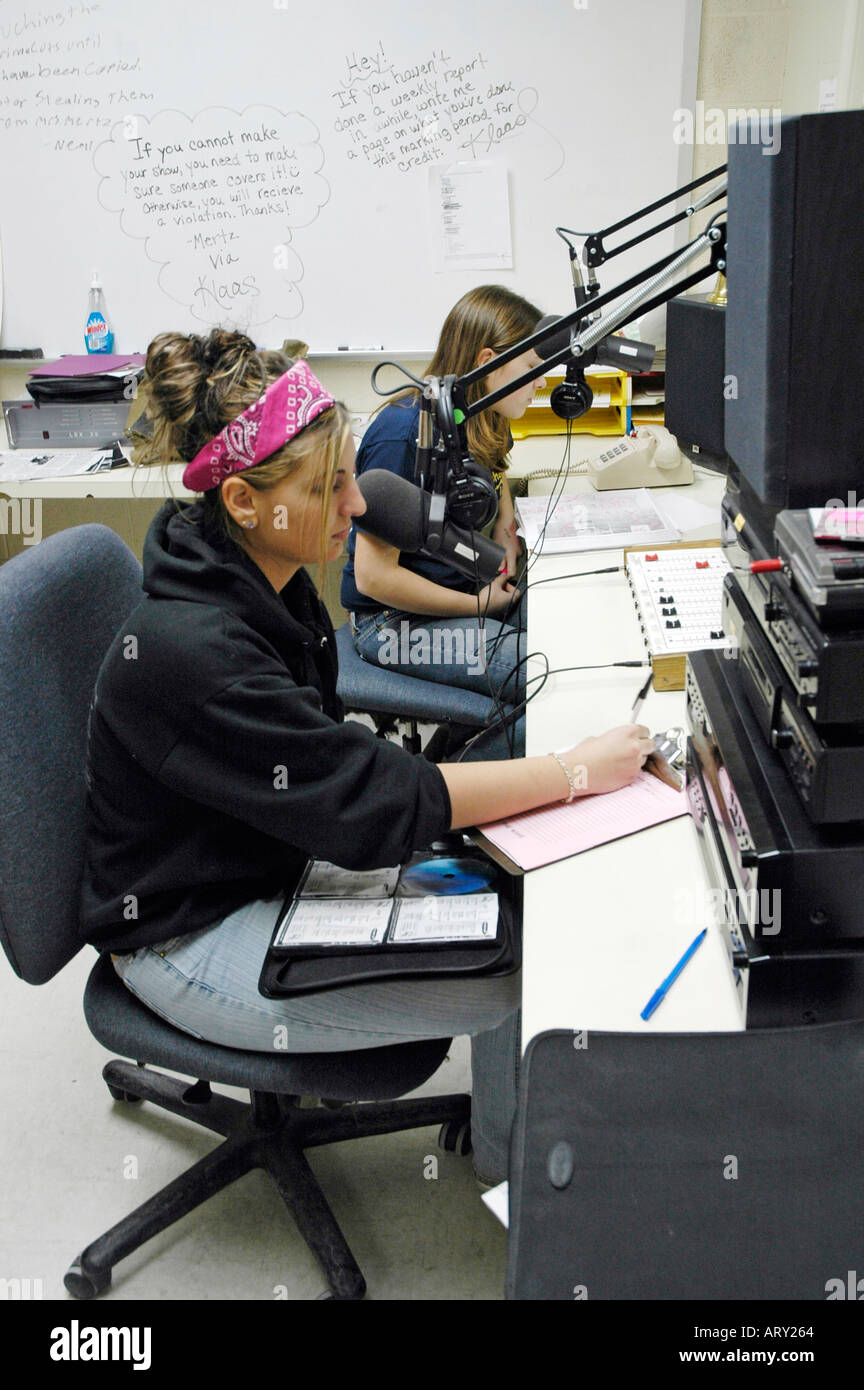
(688,1166)
(61,604)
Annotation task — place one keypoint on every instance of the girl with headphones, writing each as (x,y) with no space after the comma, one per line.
(417,615)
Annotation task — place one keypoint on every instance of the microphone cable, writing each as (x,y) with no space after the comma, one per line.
(505,721)
(542,676)
(553,579)
(556,492)
(528,561)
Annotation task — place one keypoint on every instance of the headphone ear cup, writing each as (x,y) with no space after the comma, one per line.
(570,399)
(471,498)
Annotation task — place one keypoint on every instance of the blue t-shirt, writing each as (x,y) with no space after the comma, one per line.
(391,442)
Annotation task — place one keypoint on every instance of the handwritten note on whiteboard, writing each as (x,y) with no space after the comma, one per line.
(215,198)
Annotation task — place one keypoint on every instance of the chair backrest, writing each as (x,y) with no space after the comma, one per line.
(688,1166)
(61,604)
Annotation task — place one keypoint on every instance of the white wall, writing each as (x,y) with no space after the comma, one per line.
(824,41)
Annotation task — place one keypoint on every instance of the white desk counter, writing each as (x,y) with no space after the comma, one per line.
(602,929)
(129,484)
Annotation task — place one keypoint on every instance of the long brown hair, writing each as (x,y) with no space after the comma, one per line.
(197,385)
(491,317)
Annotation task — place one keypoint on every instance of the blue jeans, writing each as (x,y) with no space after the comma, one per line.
(455,651)
(450,651)
(206,984)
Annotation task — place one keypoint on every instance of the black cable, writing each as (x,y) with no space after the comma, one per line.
(559,483)
(505,721)
(554,579)
(577,574)
(399,367)
(517,596)
(557,491)
(514,713)
(570,231)
(531,557)
(495,695)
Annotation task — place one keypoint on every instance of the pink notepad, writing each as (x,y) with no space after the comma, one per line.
(555,832)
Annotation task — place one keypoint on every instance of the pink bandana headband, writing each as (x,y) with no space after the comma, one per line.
(288,405)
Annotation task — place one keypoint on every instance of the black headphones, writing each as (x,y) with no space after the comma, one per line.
(573,396)
(470,499)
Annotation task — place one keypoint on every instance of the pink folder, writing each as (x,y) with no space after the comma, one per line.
(89,364)
(555,832)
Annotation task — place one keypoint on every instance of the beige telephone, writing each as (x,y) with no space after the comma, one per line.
(652,459)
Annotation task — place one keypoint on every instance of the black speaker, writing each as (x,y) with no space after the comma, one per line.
(695,363)
(795,316)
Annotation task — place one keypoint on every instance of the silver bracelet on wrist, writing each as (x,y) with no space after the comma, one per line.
(565,769)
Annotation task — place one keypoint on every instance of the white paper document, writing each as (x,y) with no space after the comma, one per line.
(18,465)
(691,515)
(336,922)
(497,1200)
(325,880)
(470,216)
(593,521)
(472,917)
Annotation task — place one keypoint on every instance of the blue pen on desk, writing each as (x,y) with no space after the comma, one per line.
(660,993)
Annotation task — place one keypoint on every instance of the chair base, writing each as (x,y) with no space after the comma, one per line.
(446,739)
(387,724)
(270,1133)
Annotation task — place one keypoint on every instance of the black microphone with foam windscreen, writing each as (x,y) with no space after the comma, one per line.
(398,512)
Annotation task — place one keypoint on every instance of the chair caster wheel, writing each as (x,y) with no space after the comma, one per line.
(117,1093)
(85,1283)
(455,1137)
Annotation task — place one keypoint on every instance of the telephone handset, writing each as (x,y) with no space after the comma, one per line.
(652,459)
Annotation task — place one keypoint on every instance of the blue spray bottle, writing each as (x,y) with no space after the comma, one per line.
(97,334)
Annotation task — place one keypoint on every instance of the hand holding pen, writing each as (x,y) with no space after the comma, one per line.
(655,762)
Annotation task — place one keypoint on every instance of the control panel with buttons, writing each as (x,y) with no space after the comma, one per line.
(679,598)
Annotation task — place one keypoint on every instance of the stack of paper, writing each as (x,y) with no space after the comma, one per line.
(592,521)
(18,465)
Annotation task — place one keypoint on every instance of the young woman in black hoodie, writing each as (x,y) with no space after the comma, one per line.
(219,759)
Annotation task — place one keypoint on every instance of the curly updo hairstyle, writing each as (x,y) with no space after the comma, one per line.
(197,385)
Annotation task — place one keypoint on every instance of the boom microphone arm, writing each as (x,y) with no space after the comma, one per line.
(443,405)
(596,253)
(642,292)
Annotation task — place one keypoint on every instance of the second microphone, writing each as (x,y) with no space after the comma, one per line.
(398,512)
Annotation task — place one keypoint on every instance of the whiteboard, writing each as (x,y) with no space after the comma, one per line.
(278,167)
